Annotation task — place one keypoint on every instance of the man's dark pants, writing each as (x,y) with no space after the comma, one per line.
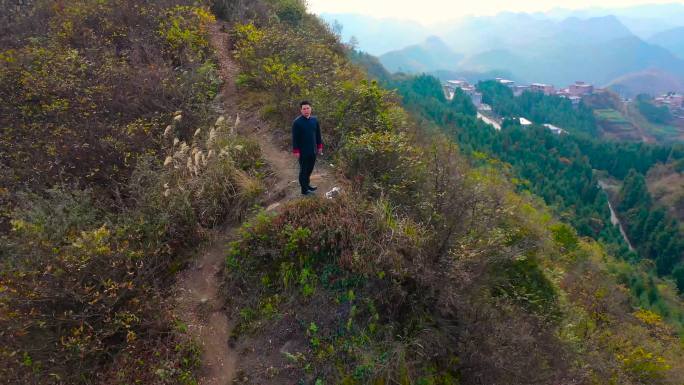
(306,166)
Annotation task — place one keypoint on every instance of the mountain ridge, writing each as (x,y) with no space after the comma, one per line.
(430,55)
(671,39)
(558,55)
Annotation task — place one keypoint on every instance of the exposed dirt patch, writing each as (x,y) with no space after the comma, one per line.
(201,309)
(667,188)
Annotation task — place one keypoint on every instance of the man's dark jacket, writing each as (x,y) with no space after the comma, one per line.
(306,136)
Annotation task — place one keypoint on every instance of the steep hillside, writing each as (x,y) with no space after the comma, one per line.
(142,131)
(421,269)
(116,166)
(666,185)
(652,82)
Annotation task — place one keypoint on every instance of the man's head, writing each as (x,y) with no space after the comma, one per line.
(305,108)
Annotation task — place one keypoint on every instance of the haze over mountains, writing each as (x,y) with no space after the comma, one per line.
(633,50)
(430,55)
(672,39)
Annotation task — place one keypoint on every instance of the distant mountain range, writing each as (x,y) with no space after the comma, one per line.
(561,64)
(651,82)
(642,20)
(671,39)
(431,55)
(558,47)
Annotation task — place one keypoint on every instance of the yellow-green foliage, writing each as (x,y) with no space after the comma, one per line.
(644,366)
(493,289)
(634,348)
(184,30)
(288,64)
(80,98)
(66,261)
(85,265)
(70,301)
(289,11)
(385,163)
(649,317)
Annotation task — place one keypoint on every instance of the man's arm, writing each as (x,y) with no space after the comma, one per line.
(319,142)
(295,140)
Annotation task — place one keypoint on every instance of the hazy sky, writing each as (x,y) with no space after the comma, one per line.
(430,11)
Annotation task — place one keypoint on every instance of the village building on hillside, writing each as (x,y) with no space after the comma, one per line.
(451,86)
(580,89)
(673,101)
(476,98)
(670,100)
(506,82)
(575,92)
(547,89)
(524,122)
(519,89)
(554,129)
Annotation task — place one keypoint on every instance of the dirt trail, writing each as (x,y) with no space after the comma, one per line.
(198,300)
(280,159)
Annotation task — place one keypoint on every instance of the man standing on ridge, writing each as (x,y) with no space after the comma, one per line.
(306,142)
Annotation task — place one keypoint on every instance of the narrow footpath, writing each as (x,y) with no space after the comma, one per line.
(198,300)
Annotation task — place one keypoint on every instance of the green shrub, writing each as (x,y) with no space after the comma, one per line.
(678,275)
(565,237)
(274,66)
(526,284)
(183,29)
(644,366)
(289,11)
(384,163)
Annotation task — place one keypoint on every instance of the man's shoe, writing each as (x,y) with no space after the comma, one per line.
(313,188)
(308,192)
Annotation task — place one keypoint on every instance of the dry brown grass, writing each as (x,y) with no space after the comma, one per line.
(666,186)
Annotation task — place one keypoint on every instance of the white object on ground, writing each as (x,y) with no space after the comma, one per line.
(333,193)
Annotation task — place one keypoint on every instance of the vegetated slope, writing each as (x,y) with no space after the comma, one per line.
(560,169)
(426,270)
(115,167)
(666,185)
(627,122)
(652,82)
